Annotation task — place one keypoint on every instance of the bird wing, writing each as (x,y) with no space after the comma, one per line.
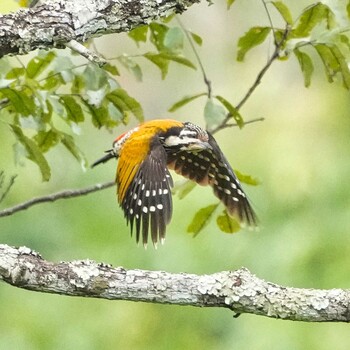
(147,202)
(210,167)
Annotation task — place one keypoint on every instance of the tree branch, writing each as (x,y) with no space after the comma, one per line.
(56,23)
(55,196)
(239,291)
(5,190)
(85,52)
(276,53)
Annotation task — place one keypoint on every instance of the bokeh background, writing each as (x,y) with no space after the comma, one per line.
(301,154)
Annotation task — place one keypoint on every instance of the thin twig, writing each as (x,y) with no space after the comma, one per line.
(257,80)
(85,52)
(259,77)
(205,78)
(67,69)
(55,196)
(7,189)
(270,19)
(224,126)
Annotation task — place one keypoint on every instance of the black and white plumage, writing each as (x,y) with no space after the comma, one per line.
(144,183)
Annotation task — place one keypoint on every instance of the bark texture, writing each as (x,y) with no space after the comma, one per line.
(239,291)
(57,22)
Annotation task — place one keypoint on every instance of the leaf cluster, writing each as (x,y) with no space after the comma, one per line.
(168,43)
(52,88)
(45,101)
(319,32)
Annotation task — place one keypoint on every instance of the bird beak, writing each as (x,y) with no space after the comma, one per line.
(199,146)
(110,154)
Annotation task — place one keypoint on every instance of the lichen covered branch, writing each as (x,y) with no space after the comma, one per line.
(55,23)
(239,291)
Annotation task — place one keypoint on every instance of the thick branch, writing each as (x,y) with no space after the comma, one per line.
(57,22)
(238,290)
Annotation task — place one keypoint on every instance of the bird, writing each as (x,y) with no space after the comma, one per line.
(145,155)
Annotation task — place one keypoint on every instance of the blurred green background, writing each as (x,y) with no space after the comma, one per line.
(301,154)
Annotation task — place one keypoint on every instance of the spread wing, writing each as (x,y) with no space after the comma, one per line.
(210,167)
(147,203)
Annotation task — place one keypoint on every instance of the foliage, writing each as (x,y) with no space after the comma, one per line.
(45,101)
(301,153)
(319,27)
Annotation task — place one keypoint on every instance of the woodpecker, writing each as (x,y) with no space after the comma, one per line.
(147,152)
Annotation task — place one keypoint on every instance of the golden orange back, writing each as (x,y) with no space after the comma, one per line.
(135,150)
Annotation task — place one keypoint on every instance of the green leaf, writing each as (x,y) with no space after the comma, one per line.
(73,109)
(178,59)
(232,110)
(33,152)
(283,10)
(125,103)
(214,114)
(169,18)
(5,65)
(305,64)
(161,60)
(52,81)
(343,66)
(229,3)
(39,63)
(345,40)
(183,188)
(111,69)
(115,117)
(330,18)
(131,65)
(174,40)
(64,66)
(95,78)
(20,101)
(348,9)
(254,37)
(47,139)
(334,62)
(158,32)
(139,34)
(15,73)
(227,224)
(47,112)
(312,16)
(68,142)
(247,179)
(56,105)
(100,115)
(329,62)
(196,38)
(201,219)
(184,101)
(78,85)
